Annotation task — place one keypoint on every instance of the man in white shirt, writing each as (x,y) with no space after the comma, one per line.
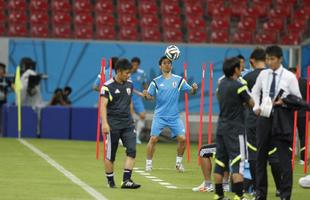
(272,137)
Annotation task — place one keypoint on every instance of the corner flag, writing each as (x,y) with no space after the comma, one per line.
(17,92)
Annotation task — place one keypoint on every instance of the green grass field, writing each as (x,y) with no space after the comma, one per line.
(25,175)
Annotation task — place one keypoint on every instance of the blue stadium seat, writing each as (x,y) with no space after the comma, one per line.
(55,122)
(29,122)
(83,123)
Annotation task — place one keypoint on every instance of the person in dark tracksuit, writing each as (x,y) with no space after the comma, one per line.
(301,117)
(117,122)
(230,141)
(269,132)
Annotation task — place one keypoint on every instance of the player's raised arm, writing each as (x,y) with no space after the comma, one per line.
(194,88)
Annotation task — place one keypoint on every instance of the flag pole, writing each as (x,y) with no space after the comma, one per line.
(17,91)
(201,109)
(188,147)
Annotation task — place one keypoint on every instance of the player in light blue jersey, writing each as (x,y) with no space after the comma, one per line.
(138,78)
(107,74)
(166,88)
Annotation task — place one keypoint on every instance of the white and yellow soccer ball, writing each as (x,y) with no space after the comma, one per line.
(172,52)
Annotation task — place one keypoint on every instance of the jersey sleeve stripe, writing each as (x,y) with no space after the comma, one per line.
(154,83)
(241,89)
(105,88)
(180,84)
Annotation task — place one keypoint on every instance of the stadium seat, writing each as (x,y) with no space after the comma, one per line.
(238,8)
(18,16)
(105,32)
(197,36)
(55,122)
(39,17)
(104,7)
(275,24)
(83,18)
(148,7)
(3,29)
(2,5)
(193,8)
(285,2)
(261,9)
(213,6)
(61,18)
(61,5)
(84,31)
(266,38)
(83,123)
(170,8)
(127,20)
(279,12)
(219,24)
(250,12)
(296,26)
(172,35)
(247,24)
(127,7)
(306,2)
(195,22)
(149,21)
(3,18)
(220,11)
(18,30)
(82,6)
(171,21)
(151,34)
(103,19)
(219,37)
(242,37)
(38,5)
(302,13)
(17,5)
(128,33)
(62,31)
(39,30)
(29,122)
(291,39)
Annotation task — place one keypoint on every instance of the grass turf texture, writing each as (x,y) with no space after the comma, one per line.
(25,175)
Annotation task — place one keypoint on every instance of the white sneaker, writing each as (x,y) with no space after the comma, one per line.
(179,167)
(301,162)
(138,141)
(202,188)
(226,187)
(305,181)
(148,167)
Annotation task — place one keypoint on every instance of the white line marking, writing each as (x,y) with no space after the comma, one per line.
(171,187)
(157,180)
(150,177)
(65,172)
(164,183)
(139,171)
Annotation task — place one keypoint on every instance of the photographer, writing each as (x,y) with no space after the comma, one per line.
(30,84)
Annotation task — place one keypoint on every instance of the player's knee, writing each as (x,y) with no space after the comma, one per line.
(153,140)
(142,116)
(131,152)
(181,139)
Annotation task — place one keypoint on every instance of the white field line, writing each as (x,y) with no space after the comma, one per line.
(65,172)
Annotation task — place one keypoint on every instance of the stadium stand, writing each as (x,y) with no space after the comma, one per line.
(165,20)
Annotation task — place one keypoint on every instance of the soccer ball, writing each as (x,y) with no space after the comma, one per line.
(172,52)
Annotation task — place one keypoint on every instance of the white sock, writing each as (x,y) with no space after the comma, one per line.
(149,162)
(179,159)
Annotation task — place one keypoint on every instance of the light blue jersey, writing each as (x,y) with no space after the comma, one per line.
(167,92)
(138,78)
(107,77)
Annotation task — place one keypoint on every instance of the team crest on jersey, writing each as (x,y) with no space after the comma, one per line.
(128,91)
(174,84)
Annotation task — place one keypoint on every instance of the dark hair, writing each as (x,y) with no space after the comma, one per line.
(57,90)
(123,64)
(27,63)
(2,65)
(293,69)
(229,66)
(136,59)
(258,54)
(274,50)
(240,57)
(69,89)
(114,60)
(163,58)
